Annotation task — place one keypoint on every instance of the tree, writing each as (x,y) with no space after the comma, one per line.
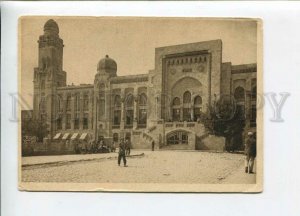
(225,118)
(34,127)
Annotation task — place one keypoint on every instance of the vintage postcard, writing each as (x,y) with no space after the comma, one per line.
(140,104)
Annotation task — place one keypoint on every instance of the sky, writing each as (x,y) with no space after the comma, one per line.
(131,42)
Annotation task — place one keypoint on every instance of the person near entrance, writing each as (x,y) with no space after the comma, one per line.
(122,155)
(250,152)
(153,144)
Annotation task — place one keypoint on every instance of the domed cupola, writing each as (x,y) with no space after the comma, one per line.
(51,27)
(107,66)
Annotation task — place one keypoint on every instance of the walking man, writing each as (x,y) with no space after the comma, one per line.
(250,152)
(122,149)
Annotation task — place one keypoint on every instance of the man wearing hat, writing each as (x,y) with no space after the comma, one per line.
(250,152)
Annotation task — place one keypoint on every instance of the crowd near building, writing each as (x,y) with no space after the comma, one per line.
(163,105)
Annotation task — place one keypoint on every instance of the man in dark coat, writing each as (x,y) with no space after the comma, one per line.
(122,149)
(250,152)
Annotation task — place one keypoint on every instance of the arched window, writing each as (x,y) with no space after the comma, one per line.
(187,97)
(129,100)
(187,106)
(129,110)
(197,107)
(176,109)
(142,117)
(143,100)
(198,100)
(117,110)
(176,101)
(239,94)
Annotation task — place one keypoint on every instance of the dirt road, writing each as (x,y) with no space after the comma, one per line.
(153,167)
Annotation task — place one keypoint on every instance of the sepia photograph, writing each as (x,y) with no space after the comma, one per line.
(140,104)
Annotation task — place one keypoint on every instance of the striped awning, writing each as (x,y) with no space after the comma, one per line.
(83,136)
(57,136)
(66,136)
(74,136)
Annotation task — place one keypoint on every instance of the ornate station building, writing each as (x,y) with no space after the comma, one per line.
(162,105)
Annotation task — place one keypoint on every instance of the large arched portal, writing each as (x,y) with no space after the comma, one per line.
(186,84)
(186,100)
(180,139)
(177,137)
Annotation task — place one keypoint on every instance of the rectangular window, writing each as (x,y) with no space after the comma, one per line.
(186,114)
(176,114)
(129,117)
(86,103)
(197,113)
(253,89)
(240,109)
(253,116)
(76,121)
(77,103)
(142,116)
(117,117)
(68,121)
(59,123)
(68,105)
(85,121)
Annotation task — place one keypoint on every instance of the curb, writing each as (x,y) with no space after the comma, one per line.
(60,163)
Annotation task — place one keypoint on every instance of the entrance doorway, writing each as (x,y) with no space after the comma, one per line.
(178,137)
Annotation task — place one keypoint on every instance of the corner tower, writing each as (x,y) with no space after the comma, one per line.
(106,68)
(48,75)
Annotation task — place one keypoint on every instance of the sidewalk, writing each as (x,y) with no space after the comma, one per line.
(53,159)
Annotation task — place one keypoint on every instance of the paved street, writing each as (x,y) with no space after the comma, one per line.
(150,167)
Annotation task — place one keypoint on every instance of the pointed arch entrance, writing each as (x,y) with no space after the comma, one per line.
(180,139)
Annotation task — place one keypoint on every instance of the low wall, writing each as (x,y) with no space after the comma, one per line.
(140,143)
(211,143)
